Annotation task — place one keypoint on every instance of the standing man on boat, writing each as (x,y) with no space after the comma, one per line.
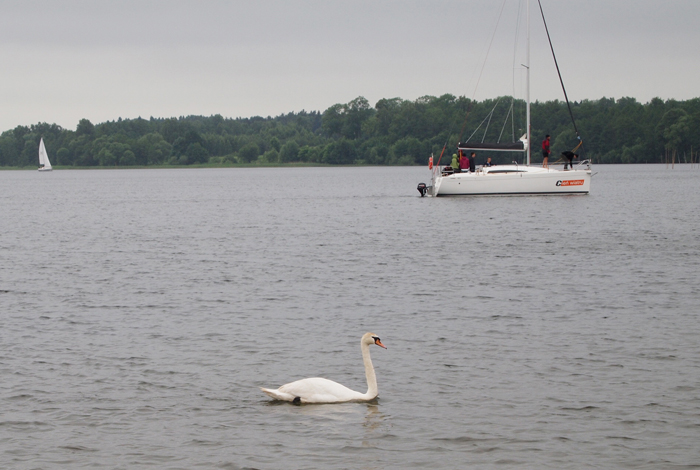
(545,152)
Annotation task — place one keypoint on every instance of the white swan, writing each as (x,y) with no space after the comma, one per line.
(319,390)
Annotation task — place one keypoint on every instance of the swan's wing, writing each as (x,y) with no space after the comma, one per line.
(318,390)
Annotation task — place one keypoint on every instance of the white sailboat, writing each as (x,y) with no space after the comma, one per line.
(511,179)
(44,163)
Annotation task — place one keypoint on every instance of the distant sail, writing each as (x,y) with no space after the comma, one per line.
(44,163)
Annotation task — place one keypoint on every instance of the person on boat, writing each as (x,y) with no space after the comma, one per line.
(463,161)
(488,162)
(545,152)
(472,163)
(455,163)
(570,156)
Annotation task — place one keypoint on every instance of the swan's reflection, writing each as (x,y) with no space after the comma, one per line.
(373,424)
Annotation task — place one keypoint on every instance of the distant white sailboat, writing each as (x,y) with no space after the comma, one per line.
(44,163)
(512,179)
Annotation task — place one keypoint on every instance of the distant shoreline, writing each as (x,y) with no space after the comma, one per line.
(270,165)
(161,167)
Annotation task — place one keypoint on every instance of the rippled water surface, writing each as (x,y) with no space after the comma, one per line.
(141,310)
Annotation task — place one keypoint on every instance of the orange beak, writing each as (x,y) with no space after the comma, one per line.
(379,343)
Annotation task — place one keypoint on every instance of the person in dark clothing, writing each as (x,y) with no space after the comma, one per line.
(472,163)
(488,162)
(545,152)
(570,156)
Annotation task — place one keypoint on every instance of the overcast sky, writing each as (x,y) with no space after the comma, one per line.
(64,60)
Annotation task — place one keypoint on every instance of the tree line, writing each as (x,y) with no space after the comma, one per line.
(392,132)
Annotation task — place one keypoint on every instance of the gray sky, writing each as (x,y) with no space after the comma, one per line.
(64,60)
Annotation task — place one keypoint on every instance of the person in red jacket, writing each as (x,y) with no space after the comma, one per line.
(545,152)
(463,161)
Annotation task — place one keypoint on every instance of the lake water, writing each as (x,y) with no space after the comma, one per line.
(141,310)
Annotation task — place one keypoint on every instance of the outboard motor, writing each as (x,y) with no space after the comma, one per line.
(422,189)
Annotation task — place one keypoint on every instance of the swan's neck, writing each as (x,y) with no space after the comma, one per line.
(372,390)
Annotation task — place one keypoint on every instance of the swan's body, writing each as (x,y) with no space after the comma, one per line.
(320,390)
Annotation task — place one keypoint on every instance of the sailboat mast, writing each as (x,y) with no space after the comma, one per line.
(527,85)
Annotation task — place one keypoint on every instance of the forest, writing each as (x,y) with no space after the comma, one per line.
(392,132)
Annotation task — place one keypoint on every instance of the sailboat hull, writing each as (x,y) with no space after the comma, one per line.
(511,180)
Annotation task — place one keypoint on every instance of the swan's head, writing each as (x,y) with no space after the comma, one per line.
(371,338)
